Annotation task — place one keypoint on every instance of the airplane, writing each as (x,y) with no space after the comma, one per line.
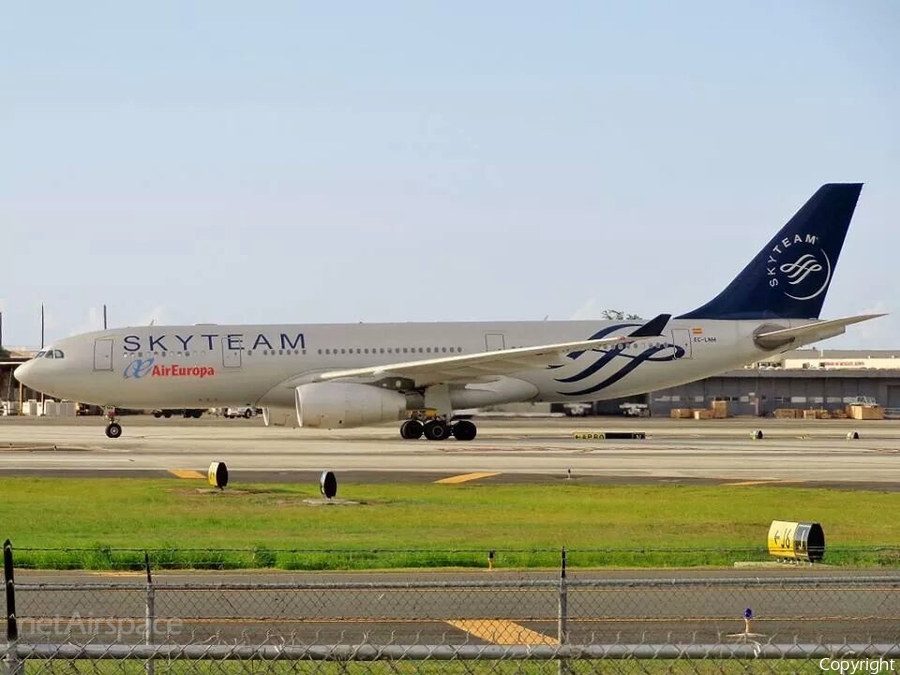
(336,376)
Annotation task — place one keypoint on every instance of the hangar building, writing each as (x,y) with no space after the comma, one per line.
(802,379)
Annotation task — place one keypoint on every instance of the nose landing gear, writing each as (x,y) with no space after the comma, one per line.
(113,428)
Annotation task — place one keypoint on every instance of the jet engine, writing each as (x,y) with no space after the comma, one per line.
(340,405)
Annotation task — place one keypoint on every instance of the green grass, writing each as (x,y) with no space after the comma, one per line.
(108,523)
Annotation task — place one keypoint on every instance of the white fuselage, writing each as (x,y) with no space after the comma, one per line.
(260,365)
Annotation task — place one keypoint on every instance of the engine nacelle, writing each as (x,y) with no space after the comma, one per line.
(280,417)
(340,405)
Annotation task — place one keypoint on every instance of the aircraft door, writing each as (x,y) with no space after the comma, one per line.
(494,341)
(103,352)
(231,358)
(682,338)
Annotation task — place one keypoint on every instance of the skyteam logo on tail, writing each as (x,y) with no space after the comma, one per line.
(799,266)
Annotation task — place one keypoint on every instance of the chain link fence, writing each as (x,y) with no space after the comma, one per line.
(487,622)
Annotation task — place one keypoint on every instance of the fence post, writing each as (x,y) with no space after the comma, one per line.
(563,612)
(13,665)
(149,615)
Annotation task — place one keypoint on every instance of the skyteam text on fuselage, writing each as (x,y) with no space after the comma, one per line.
(348,375)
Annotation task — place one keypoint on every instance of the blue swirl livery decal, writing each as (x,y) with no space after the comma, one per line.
(138,368)
(596,336)
(627,362)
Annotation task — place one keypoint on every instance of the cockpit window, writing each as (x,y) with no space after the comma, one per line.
(58,353)
(39,354)
(49,354)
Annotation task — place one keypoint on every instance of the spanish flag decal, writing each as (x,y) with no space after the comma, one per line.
(697,331)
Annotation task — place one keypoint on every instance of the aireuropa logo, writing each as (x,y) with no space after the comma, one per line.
(806,276)
(146,367)
(138,368)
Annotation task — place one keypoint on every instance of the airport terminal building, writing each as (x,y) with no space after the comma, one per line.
(13,392)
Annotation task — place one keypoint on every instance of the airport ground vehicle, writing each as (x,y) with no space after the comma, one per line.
(578,409)
(185,412)
(635,409)
(244,411)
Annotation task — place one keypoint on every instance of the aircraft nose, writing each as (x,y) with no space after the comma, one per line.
(22,374)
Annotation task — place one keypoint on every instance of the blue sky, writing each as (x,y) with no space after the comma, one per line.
(327,162)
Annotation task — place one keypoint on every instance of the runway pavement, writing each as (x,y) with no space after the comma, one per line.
(711,451)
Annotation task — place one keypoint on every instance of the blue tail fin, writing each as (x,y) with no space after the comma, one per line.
(789,277)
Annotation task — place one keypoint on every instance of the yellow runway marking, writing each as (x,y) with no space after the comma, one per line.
(765,482)
(186,473)
(117,574)
(503,632)
(465,477)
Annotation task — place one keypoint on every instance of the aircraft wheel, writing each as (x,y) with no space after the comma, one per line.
(464,430)
(157,414)
(247,413)
(436,431)
(113,430)
(411,429)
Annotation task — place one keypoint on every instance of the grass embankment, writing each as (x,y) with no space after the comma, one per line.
(108,523)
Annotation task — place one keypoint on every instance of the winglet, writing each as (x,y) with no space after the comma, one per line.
(653,327)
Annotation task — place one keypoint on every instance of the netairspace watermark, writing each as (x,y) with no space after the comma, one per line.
(91,625)
(872,666)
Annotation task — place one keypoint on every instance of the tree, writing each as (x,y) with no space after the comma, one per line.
(619,315)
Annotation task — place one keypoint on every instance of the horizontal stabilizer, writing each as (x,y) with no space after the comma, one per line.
(812,332)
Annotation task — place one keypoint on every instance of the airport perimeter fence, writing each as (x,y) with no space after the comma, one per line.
(487,622)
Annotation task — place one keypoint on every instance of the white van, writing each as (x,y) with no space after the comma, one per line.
(245,412)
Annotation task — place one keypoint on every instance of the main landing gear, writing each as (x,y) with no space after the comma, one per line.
(438,430)
(113,428)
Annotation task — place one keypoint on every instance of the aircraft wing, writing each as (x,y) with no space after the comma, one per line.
(493,363)
(811,332)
